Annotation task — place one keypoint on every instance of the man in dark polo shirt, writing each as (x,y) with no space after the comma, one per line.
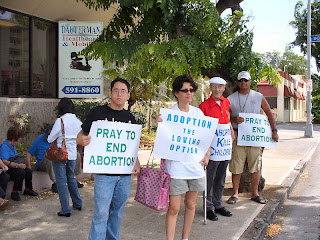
(111,191)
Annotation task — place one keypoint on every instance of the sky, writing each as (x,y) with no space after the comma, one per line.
(270,24)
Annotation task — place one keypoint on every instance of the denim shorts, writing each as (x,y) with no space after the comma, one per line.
(180,186)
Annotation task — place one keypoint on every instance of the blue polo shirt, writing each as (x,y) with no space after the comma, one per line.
(39,148)
(7,150)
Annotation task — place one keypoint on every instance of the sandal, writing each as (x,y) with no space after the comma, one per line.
(232,200)
(3,204)
(259,199)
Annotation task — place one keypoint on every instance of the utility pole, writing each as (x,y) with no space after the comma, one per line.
(309,126)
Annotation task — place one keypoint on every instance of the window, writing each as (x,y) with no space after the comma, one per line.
(28,56)
(295,104)
(287,103)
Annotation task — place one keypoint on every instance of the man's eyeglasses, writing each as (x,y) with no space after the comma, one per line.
(217,87)
(191,90)
(116,91)
(243,79)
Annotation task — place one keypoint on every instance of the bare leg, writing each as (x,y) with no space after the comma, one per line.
(254,179)
(172,214)
(189,212)
(235,183)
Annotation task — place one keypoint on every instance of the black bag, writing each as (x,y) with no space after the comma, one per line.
(17,159)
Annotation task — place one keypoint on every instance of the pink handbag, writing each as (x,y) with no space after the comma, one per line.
(153,187)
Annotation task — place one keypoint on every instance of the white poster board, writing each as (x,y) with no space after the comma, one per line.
(183,137)
(113,148)
(221,146)
(255,131)
(79,77)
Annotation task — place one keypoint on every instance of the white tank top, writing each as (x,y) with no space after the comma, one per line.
(249,103)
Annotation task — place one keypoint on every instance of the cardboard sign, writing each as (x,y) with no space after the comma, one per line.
(221,146)
(113,148)
(255,131)
(183,137)
(79,77)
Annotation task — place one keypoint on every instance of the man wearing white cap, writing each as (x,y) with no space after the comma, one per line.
(246,100)
(218,107)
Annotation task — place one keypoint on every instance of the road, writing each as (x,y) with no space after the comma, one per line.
(299,217)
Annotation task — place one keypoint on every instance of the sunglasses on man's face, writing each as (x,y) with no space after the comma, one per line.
(187,90)
(243,79)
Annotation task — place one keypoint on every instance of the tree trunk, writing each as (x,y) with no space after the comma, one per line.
(225,4)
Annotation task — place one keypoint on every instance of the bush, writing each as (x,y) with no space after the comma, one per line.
(140,118)
(21,121)
(316,106)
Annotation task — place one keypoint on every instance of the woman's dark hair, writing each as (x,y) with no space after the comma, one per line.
(178,83)
(119,79)
(14,133)
(65,106)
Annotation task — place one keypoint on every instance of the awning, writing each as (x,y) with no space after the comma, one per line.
(268,90)
(297,95)
(287,92)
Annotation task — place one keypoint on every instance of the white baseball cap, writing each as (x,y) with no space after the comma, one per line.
(217,80)
(244,74)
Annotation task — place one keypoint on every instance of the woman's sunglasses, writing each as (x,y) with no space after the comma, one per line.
(243,79)
(187,90)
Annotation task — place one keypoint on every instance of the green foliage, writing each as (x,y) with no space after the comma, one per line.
(300,23)
(155,41)
(22,148)
(315,98)
(21,121)
(289,61)
(82,108)
(140,118)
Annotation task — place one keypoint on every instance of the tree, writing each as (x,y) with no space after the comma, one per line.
(168,38)
(300,23)
(288,61)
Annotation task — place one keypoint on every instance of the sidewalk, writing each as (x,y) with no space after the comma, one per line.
(36,218)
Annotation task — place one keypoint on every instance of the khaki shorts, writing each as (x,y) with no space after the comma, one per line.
(180,186)
(239,156)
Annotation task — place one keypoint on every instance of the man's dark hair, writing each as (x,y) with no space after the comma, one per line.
(14,133)
(180,80)
(119,79)
(65,106)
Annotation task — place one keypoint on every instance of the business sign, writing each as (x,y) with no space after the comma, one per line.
(315,38)
(183,137)
(309,85)
(255,131)
(79,77)
(113,148)
(221,146)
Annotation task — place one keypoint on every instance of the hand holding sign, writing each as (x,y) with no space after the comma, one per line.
(113,148)
(182,136)
(255,131)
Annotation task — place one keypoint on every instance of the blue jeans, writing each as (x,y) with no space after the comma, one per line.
(110,196)
(65,180)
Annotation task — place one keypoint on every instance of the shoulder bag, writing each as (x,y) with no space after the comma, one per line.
(56,154)
(153,187)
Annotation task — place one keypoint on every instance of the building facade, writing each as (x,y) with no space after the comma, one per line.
(29,56)
(288,98)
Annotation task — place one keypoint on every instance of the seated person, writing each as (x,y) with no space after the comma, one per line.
(4,178)
(38,149)
(17,171)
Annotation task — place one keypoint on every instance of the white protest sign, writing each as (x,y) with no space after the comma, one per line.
(182,136)
(221,146)
(255,131)
(113,148)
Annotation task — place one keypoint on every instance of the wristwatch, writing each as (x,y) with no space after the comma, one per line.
(275,130)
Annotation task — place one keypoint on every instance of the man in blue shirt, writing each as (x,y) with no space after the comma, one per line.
(17,171)
(38,149)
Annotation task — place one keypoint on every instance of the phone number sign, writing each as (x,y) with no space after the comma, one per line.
(81,90)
